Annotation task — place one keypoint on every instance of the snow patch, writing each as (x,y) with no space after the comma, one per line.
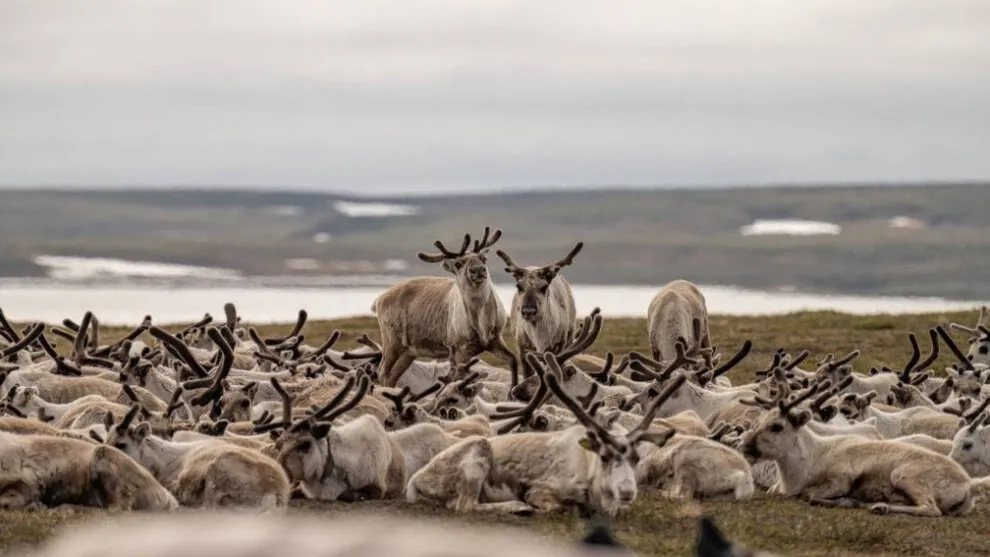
(359,210)
(789,227)
(86,268)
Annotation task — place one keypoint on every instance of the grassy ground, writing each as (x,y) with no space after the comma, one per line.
(658,527)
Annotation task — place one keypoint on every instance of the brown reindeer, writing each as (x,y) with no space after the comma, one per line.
(456,318)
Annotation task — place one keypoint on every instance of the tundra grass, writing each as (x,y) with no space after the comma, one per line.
(655,526)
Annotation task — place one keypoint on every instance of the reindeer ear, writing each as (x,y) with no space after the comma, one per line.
(470,390)
(828,412)
(320,430)
(800,418)
(142,430)
(448,265)
(409,414)
(222,426)
(540,423)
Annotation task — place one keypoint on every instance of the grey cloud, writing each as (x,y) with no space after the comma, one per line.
(431,95)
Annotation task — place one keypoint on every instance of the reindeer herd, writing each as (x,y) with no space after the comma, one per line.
(216,416)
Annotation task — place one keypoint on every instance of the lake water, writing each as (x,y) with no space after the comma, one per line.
(127,305)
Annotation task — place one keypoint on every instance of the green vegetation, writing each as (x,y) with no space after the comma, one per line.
(659,527)
(632,236)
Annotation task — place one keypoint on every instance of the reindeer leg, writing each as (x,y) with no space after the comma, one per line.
(500,349)
(389,371)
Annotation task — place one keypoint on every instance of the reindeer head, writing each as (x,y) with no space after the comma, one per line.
(235,404)
(302,448)
(971,445)
(470,268)
(126,436)
(533,283)
(775,434)
(458,394)
(852,405)
(968,382)
(979,338)
(405,410)
(20,398)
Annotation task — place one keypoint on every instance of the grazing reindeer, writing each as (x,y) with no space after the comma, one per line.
(543,316)
(979,338)
(456,318)
(671,315)
(849,471)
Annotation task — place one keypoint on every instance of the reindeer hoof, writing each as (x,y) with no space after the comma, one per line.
(880,508)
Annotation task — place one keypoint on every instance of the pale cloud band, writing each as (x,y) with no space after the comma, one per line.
(430,95)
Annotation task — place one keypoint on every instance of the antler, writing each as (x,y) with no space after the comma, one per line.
(179,348)
(296,329)
(651,410)
(523,414)
(444,252)
(215,389)
(590,328)
(22,343)
(485,242)
(680,358)
(787,406)
(963,360)
(734,360)
(552,379)
(602,375)
(568,259)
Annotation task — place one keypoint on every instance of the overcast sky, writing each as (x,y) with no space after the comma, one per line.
(429,95)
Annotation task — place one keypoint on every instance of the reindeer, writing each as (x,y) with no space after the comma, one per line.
(585,463)
(971,445)
(543,315)
(691,467)
(209,474)
(338,462)
(456,318)
(847,471)
(672,314)
(979,338)
(43,471)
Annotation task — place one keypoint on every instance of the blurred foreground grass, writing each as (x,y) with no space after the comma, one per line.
(655,526)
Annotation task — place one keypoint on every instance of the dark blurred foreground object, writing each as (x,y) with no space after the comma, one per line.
(199,534)
(711,543)
(205,534)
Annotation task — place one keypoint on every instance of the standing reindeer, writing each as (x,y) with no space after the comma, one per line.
(458,318)
(543,314)
(678,310)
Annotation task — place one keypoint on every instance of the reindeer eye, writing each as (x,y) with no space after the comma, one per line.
(983,349)
(244,403)
(967,445)
(776,428)
(304,446)
(120,446)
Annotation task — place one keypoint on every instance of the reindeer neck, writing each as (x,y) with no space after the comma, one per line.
(800,463)
(157,454)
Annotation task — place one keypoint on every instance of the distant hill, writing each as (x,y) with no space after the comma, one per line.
(632,236)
